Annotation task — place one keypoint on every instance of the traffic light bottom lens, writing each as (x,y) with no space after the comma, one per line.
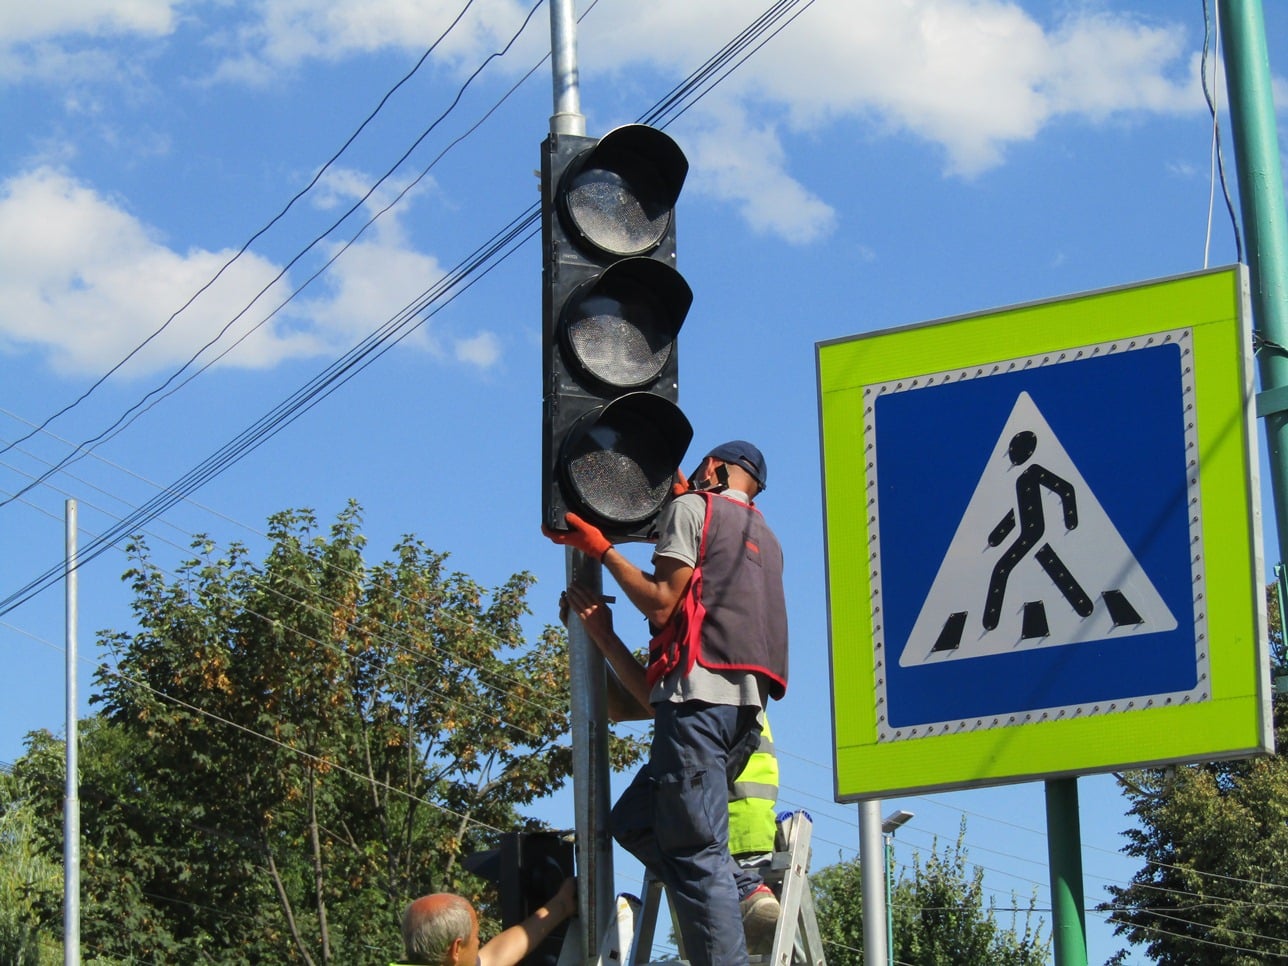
(615,484)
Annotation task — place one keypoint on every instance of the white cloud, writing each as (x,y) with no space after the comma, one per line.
(1099,65)
(967,77)
(47,41)
(376,277)
(20,22)
(1183,169)
(482,350)
(83,282)
(970,76)
(284,33)
(738,161)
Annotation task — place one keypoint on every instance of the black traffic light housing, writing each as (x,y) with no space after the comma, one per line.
(613,304)
(528,868)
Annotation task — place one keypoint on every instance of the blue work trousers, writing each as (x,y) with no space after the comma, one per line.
(674,818)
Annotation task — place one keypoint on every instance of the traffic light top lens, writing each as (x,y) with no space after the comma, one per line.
(611,210)
(617,196)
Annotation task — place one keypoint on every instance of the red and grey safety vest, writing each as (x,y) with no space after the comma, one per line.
(733,616)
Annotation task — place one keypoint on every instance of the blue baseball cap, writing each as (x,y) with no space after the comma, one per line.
(744,454)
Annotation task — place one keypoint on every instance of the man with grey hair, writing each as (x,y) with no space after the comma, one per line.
(442,929)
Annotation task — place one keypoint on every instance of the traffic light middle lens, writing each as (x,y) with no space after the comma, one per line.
(619,340)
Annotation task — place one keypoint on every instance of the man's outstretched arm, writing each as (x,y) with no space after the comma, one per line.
(511,945)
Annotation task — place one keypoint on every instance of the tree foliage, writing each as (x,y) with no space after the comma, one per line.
(288,752)
(28,881)
(939,912)
(1213,838)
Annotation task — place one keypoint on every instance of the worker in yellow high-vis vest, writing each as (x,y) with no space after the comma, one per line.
(753,800)
(753,826)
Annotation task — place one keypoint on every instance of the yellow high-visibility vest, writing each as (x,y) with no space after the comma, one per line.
(753,800)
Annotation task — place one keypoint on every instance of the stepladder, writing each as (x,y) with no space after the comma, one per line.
(796,939)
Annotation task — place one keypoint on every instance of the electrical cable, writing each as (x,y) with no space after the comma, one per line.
(786,800)
(675,115)
(286,413)
(89,443)
(756,32)
(254,237)
(817,764)
(298,752)
(1209,31)
(502,685)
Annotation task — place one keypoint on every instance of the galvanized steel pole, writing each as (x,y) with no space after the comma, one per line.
(71,803)
(872,872)
(567,118)
(590,768)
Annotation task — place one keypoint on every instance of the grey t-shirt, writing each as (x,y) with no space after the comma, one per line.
(680,538)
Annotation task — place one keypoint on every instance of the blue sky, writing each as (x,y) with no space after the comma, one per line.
(874,164)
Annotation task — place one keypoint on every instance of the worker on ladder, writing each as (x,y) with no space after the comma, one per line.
(753,796)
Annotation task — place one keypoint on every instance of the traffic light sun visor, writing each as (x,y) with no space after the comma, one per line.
(618,196)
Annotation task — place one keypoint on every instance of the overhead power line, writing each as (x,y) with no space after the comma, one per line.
(245,246)
(459,279)
(126,417)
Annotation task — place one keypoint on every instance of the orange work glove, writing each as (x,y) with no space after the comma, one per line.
(681,484)
(582,536)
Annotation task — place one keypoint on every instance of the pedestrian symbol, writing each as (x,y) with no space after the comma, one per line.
(1036,562)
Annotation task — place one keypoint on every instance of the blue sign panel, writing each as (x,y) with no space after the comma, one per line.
(1037,548)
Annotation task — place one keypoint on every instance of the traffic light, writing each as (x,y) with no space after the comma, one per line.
(528,868)
(613,305)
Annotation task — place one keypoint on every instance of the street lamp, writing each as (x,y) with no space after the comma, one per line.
(888,826)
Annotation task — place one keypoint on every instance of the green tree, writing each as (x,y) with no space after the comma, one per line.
(289,752)
(940,916)
(1213,838)
(28,882)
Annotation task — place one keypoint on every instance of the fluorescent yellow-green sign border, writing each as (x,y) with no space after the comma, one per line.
(1224,712)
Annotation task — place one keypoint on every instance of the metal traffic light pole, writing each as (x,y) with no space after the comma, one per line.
(590,770)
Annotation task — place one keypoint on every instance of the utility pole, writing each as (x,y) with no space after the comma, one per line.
(71,804)
(1265,234)
(872,875)
(1265,226)
(590,770)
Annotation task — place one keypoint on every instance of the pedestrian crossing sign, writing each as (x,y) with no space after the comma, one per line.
(1043,540)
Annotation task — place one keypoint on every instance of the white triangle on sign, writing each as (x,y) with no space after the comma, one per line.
(1032,610)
